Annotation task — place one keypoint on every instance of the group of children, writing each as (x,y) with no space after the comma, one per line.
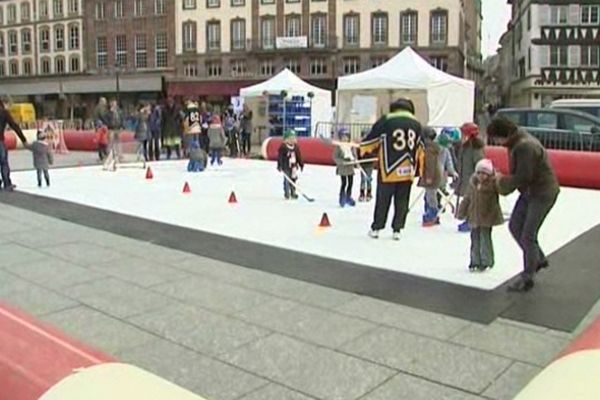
(453,153)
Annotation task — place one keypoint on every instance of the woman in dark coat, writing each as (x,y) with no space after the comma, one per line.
(171,128)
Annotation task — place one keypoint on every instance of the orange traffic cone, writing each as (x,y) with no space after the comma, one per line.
(324,221)
(186,188)
(149,174)
(232,198)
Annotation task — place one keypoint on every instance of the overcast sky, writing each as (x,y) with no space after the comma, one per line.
(496,14)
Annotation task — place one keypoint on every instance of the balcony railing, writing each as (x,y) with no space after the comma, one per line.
(326,43)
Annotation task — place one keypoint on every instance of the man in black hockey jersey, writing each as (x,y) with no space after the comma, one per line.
(396,137)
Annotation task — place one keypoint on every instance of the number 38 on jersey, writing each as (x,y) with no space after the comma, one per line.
(404,140)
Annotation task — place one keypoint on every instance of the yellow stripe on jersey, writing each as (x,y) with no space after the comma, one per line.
(370,146)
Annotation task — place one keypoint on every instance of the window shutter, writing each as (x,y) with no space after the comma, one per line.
(543,56)
(574,11)
(574,56)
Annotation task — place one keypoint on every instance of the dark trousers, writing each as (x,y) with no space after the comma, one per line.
(482,249)
(215,155)
(246,143)
(102,151)
(288,188)
(204,141)
(46,174)
(525,222)
(154,148)
(4,167)
(177,151)
(400,192)
(346,187)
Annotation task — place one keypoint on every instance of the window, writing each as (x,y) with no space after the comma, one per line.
(379,29)
(238,3)
(292,1)
(59,38)
(121,51)
(74,64)
(408,27)
(159,7)
(577,124)
(266,68)
(27,67)
(141,51)
(14,68)
(45,66)
(57,7)
(1,43)
(267,33)
(318,66)
(13,43)
(319,30)
(440,63)
(589,56)
(73,37)
(11,18)
(213,3)
(213,36)
(138,8)
(542,120)
(2,71)
(100,11)
(161,50)
(351,30)
(559,56)
(238,68)
(293,26)
(377,61)
(190,68)
(439,27)
(189,36)
(522,67)
(59,65)
(25,14)
(238,34)
(590,15)
(26,41)
(293,65)
(73,6)
(267,1)
(351,65)
(529,58)
(529,19)
(189,4)
(102,52)
(213,68)
(43,9)
(559,15)
(118,9)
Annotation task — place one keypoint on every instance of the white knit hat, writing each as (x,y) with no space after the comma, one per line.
(485,166)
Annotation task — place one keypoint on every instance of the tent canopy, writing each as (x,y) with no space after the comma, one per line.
(285,80)
(450,99)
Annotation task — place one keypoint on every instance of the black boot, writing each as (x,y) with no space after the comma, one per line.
(522,285)
(362,197)
(542,265)
(369,196)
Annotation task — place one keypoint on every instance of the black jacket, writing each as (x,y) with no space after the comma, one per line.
(283,159)
(7,119)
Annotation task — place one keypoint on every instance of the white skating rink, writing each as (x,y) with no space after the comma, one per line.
(263,216)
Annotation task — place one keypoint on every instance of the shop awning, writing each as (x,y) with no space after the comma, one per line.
(212,88)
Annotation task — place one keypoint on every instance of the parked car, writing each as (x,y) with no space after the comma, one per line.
(558,128)
(589,106)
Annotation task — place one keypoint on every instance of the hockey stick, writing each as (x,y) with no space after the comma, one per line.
(298,189)
(446,201)
(364,161)
(416,200)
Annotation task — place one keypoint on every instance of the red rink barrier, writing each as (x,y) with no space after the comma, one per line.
(573,168)
(75,140)
(34,357)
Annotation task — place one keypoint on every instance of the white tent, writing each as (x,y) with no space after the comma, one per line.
(294,86)
(449,100)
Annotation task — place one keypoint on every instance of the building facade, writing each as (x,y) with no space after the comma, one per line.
(553,50)
(222,45)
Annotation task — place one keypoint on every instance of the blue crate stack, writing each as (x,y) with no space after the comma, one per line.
(297,114)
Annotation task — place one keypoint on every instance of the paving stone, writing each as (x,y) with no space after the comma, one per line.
(98,330)
(213,295)
(13,253)
(139,271)
(507,386)
(32,298)
(308,323)
(406,387)
(152,252)
(45,237)
(201,330)
(512,342)
(275,392)
(403,317)
(53,273)
(118,298)
(447,363)
(204,376)
(83,253)
(319,372)
(11,226)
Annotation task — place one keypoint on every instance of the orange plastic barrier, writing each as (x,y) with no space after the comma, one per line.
(573,168)
(75,140)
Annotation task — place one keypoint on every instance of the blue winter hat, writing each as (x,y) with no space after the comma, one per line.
(343,132)
(449,136)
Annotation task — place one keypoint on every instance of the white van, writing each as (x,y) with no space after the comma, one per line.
(590,106)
